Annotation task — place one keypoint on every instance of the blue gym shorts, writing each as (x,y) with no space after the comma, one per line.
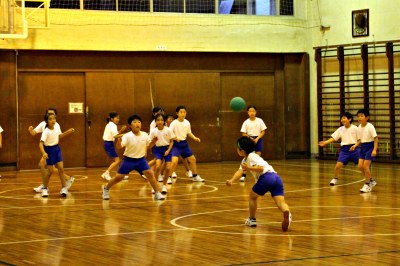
(159,151)
(366,151)
(259,144)
(129,164)
(54,154)
(181,148)
(110,149)
(271,182)
(345,155)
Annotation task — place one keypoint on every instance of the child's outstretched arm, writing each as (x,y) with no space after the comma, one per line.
(65,133)
(323,143)
(235,177)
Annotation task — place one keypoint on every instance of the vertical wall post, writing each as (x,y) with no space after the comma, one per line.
(364,56)
(392,120)
(318,60)
(340,57)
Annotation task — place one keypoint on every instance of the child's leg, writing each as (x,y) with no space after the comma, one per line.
(150,177)
(367,170)
(281,203)
(50,169)
(253,197)
(114,164)
(158,168)
(116,179)
(167,171)
(192,161)
(42,167)
(60,167)
(174,163)
(338,168)
(185,164)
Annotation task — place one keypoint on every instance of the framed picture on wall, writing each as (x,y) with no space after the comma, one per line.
(360,22)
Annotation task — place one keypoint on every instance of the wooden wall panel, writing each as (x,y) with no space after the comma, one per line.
(8,107)
(39,91)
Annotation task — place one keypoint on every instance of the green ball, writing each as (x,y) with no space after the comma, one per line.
(237,104)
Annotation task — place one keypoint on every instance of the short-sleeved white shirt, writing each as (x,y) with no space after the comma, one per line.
(42,125)
(348,135)
(367,133)
(180,129)
(135,146)
(253,159)
(164,136)
(1,130)
(253,128)
(50,137)
(110,131)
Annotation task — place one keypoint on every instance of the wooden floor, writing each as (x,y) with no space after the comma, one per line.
(202,224)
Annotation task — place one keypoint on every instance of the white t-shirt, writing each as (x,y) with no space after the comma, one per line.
(135,146)
(180,129)
(110,131)
(1,130)
(50,137)
(348,136)
(42,125)
(367,133)
(163,136)
(253,159)
(253,128)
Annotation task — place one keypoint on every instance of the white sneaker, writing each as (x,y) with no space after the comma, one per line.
(144,177)
(45,192)
(334,181)
(251,222)
(69,182)
(174,175)
(153,191)
(366,188)
(164,190)
(159,196)
(106,176)
(242,179)
(126,177)
(189,173)
(160,178)
(198,179)
(64,192)
(169,181)
(287,220)
(372,183)
(38,189)
(106,193)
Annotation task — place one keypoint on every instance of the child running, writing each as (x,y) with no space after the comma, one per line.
(266,180)
(42,162)
(110,134)
(254,128)
(348,135)
(368,139)
(51,152)
(136,143)
(162,149)
(181,129)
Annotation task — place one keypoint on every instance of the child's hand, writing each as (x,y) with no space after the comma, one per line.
(321,143)
(45,156)
(228,183)
(72,130)
(123,128)
(352,148)
(30,128)
(197,139)
(154,140)
(373,154)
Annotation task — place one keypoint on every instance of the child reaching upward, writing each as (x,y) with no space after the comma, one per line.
(348,135)
(51,152)
(181,129)
(136,143)
(110,134)
(266,180)
(254,128)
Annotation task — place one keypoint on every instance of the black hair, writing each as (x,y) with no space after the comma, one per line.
(179,107)
(112,115)
(246,144)
(158,115)
(170,115)
(251,106)
(46,118)
(348,115)
(134,117)
(156,110)
(363,111)
(51,109)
